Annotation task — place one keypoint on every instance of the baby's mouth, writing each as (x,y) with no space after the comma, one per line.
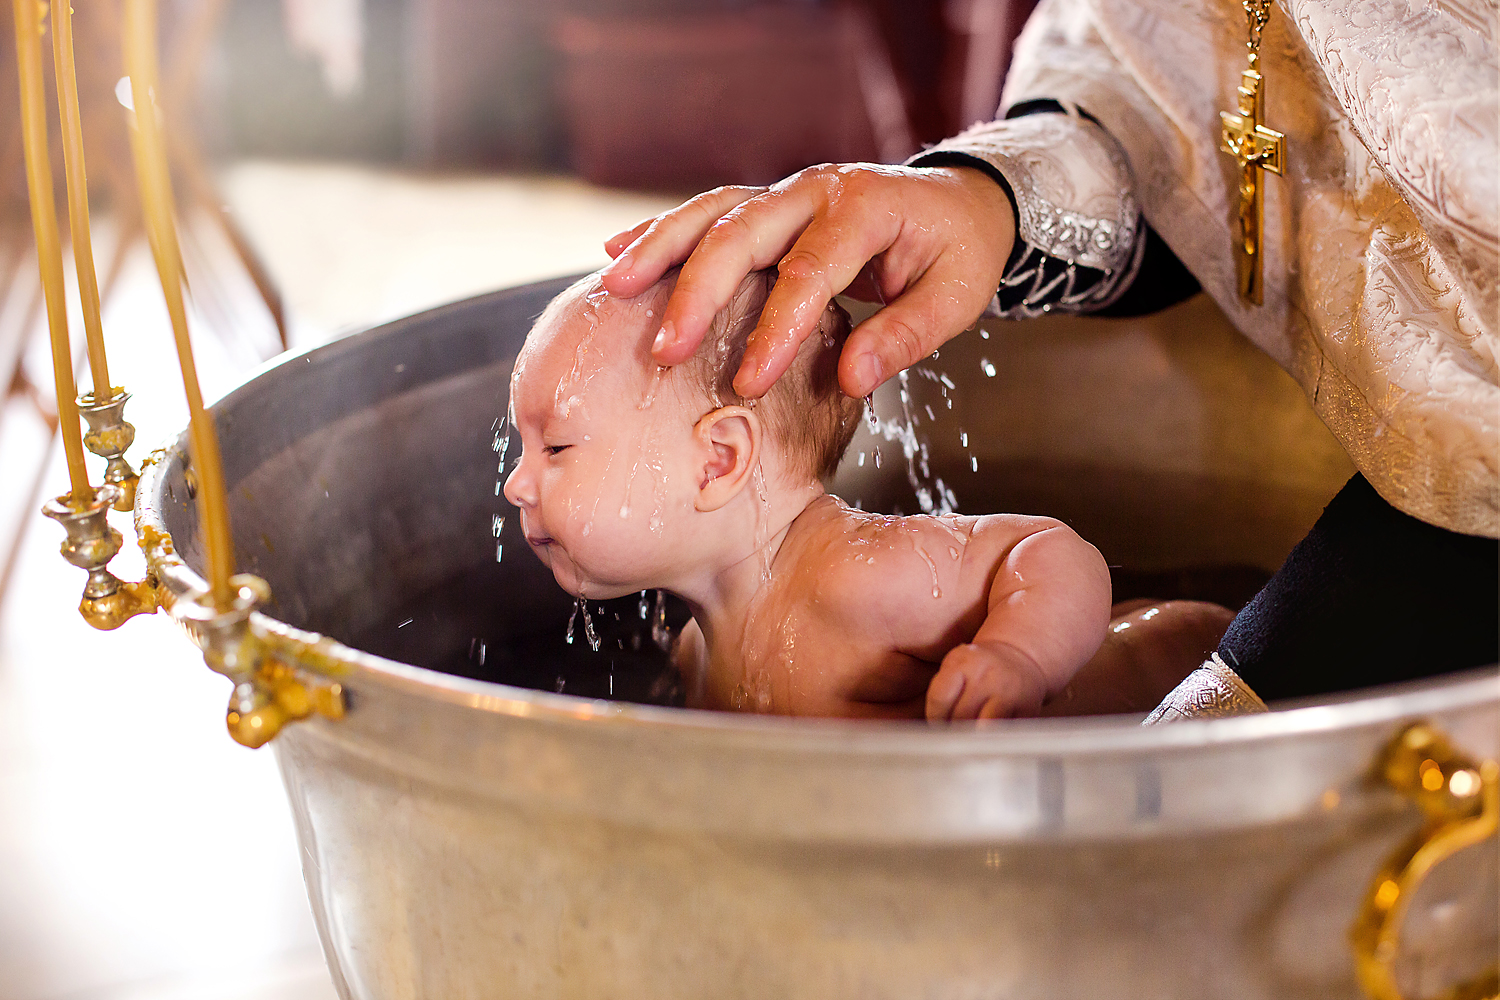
(537,541)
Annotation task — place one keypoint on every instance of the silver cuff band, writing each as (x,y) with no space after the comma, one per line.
(1071,182)
(1210,692)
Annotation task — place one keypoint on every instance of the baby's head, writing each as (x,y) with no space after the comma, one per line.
(626,467)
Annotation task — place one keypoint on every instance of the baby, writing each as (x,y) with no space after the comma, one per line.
(634,477)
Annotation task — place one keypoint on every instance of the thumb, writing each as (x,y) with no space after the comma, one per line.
(926,316)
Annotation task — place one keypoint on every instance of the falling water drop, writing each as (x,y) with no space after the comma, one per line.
(577,603)
(660,634)
(641,607)
(986,367)
(588,626)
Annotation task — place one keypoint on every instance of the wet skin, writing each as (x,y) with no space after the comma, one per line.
(630,479)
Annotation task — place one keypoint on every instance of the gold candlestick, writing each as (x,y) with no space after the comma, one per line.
(78,195)
(48,249)
(156,202)
(109,433)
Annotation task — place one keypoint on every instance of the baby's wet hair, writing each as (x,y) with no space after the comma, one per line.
(805,412)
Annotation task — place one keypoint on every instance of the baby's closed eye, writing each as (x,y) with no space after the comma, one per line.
(553,449)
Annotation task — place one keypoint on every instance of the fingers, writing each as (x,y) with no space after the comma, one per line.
(943,693)
(755,234)
(938,307)
(975,682)
(617,243)
(646,251)
(830,254)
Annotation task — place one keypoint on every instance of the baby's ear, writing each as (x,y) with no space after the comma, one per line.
(729,441)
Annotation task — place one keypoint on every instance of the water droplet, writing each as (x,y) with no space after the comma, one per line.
(660,634)
(641,607)
(577,603)
(963,438)
(588,626)
(861,460)
(984,334)
(986,367)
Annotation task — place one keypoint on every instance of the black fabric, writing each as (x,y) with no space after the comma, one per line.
(1370,596)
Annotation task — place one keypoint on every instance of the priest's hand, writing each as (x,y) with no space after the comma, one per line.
(929,243)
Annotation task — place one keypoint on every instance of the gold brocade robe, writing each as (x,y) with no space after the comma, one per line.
(1382,263)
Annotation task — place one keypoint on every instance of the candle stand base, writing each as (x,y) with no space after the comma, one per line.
(108,602)
(268,692)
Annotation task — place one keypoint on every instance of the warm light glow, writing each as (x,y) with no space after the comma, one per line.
(1463,783)
(1432,775)
(1387,894)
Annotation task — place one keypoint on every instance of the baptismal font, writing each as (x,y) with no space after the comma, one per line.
(629,806)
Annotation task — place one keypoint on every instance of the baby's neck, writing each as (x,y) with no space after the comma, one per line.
(722,596)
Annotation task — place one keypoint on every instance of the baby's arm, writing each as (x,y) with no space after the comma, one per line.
(1047,602)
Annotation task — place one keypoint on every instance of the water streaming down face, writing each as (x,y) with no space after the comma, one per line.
(500,446)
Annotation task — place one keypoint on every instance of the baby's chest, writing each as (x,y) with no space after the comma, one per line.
(801,666)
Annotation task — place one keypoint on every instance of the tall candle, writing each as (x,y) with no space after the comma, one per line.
(48,247)
(155,183)
(78,194)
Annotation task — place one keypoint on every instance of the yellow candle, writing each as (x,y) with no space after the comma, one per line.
(78,194)
(155,183)
(48,248)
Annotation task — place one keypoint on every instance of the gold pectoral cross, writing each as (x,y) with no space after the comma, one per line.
(1255,148)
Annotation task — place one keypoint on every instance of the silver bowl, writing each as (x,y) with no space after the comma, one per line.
(466,834)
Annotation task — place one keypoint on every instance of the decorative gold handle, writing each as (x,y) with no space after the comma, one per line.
(1461,801)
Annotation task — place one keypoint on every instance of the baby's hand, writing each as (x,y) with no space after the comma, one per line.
(986,680)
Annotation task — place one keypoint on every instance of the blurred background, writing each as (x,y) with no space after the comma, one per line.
(338,163)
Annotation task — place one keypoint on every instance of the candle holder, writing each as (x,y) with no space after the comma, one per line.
(108,602)
(268,692)
(109,435)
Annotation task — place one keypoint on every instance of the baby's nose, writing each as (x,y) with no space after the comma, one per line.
(520,486)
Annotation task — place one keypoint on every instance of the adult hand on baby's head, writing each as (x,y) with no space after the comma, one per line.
(989,680)
(930,243)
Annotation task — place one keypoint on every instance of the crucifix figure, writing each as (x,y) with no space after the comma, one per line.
(1255,148)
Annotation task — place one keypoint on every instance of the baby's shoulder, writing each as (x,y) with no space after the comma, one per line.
(849,556)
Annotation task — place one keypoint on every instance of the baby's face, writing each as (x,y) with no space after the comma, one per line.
(604,481)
